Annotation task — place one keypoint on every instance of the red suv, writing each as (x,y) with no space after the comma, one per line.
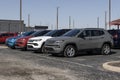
(5,35)
(22,42)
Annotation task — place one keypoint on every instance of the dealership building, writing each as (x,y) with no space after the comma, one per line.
(17,26)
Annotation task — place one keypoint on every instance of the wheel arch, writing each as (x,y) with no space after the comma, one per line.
(73,44)
(107,42)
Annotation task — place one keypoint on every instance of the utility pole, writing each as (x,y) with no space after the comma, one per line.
(57,16)
(69,22)
(105,20)
(73,23)
(21,15)
(109,14)
(97,22)
(28,20)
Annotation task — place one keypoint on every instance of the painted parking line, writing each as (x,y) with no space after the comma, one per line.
(80,59)
(3,47)
(65,61)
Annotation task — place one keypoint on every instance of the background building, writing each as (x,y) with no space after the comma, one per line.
(12,26)
(15,26)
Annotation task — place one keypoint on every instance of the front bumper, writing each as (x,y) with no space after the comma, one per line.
(20,45)
(53,49)
(33,46)
(10,44)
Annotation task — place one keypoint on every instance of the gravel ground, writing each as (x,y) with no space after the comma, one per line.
(14,68)
(26,65)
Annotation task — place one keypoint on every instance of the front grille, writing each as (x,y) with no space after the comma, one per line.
(30,46)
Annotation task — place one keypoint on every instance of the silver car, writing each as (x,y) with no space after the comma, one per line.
(87,39)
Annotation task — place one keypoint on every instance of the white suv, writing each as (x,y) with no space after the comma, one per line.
(37,43)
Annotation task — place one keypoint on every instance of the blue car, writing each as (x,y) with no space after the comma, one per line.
(10,42)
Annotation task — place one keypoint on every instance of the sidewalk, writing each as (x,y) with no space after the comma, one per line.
(112,66)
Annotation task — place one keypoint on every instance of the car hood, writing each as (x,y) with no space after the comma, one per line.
(41,37)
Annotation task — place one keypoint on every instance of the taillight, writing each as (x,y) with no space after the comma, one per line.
(115,36)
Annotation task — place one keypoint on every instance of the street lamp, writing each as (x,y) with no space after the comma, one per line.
(97,22)
(109,13)
(21,14)
(69,22)
(57,16)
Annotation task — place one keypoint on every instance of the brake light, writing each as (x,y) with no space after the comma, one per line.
(115,36)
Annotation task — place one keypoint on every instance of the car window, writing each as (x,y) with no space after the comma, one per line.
(112,32)
(59,33)
(72,33)
(86,33)
(97,32)
(101,32)
(11,34)
(4,34)
(28,33)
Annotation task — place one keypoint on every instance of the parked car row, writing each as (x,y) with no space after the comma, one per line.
(10,42)
(67,42)
(5,35)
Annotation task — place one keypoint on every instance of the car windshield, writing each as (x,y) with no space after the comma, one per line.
(56,33)
(39,33)
(28,33)
(114,32)
(72,33)
(51,33)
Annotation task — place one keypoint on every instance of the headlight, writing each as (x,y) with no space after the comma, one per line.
(23,39)
(13,40)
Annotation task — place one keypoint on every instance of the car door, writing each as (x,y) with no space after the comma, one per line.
(96,38)
(85,40)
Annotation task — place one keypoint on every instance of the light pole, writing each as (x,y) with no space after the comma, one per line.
(69,22)
(109,14)
(28,20)
(106,20)
(21,15)
(57,16)
(97,22)
(73,23)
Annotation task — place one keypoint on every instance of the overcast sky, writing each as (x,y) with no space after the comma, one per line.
(84,13)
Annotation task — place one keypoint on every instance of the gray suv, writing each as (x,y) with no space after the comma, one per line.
(86,39)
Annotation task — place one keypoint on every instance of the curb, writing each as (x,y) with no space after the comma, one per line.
(107,66)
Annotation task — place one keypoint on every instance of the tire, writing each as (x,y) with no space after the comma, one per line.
(12,47)
(106,49)
(24,49)
(42,49)
(69,51)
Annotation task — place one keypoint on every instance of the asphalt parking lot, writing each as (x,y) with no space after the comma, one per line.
(27,65)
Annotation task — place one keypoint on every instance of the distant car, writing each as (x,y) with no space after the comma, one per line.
(10,42)
(86,39)
(5,35)
(116,37)
(37,43)
(22,42)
